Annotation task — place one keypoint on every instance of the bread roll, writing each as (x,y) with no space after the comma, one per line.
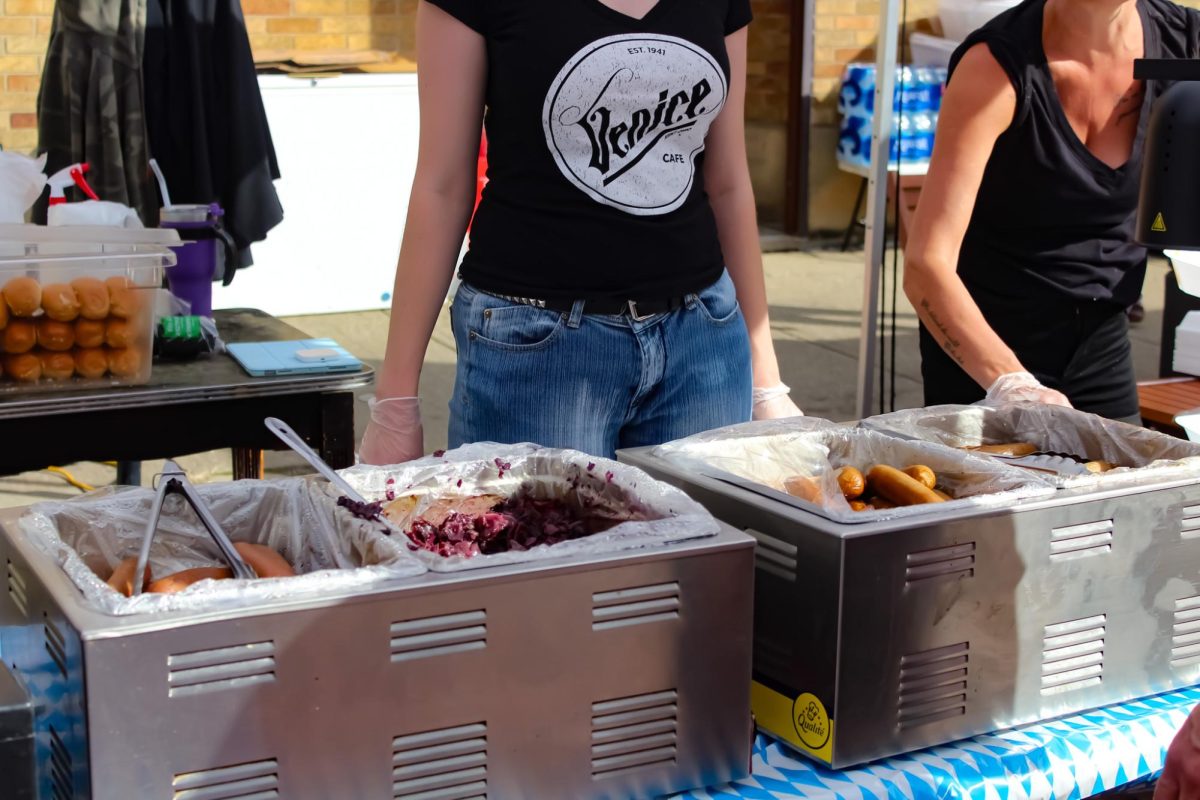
(60,302)
(3,315)
(123,298)
(125,362)
(93,297)
(265,562)
(54,335)
(56,366)
(803,487)
(23,367)
(122,578)
(859,505)
(922,475)
(118,333)
(851,482)
(90,362)
(23,296)
(894,485)
(1009,449)
(1097,467)
(20,336)
(89,332)
(182,580)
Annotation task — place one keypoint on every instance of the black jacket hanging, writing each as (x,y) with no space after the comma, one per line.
(207,125)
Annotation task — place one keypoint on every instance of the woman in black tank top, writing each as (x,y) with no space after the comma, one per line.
(1021,260)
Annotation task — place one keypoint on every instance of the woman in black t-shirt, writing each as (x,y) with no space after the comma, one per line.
(595,311)
(1021,260)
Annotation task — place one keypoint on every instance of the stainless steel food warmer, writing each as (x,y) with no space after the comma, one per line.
(881,638)
(623,675)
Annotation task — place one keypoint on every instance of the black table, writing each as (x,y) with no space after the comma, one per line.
(191,407)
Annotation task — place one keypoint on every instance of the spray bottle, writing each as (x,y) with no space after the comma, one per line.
(92,211)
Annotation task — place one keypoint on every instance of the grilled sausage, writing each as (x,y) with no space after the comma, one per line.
(901,489)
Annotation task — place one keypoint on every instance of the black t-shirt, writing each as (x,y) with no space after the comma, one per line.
(1049,215)
(596,124)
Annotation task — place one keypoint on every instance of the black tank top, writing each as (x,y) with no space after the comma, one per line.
(1049,215)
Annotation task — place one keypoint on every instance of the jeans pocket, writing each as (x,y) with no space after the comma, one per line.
(718,303)
(515,326)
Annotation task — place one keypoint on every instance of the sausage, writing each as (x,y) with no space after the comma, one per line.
(880,503)
(942,494)
(859,505)
(922,475)
(265,562)
(182,580)
(901,489)
(1010,449)
(803,487)
(851,482)
(121,579)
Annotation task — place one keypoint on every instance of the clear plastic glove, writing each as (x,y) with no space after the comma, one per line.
(394,434)
(774,402)
(1180,778)
(1022,387)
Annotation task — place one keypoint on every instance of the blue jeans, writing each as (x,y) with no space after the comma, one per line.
(596,382)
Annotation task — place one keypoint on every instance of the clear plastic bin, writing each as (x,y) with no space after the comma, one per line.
(77,305)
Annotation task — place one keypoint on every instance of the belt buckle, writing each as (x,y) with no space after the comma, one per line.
(633,312)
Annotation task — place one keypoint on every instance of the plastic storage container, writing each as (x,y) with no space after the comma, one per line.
(78,304)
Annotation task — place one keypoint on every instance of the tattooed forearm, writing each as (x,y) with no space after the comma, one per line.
(948,342)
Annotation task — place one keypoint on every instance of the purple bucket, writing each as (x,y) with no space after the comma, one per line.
(192,276)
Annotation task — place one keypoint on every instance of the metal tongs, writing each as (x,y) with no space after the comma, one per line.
(1045,461)
(301,448)
(173,480)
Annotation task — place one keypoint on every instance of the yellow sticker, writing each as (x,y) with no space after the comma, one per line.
(1160,224)
(812,722)
(802,722)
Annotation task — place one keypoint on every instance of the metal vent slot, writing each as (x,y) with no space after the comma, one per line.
(933,685)
(62,769)
(56,644)
(447,764)
(636,606)
(1185,632)
(775,556)
(1189,524)
(17,589)
(439,636)
(220,668)
(956,561)
(1078,541)
(1073,654)
(256,780)
(634,733)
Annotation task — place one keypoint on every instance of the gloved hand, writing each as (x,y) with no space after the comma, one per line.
(1022,387)
(773,402)
(394,434)
(1180,778)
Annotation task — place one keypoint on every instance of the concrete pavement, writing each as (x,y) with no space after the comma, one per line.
(816,298)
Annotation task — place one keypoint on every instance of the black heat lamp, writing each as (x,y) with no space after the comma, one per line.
(1169,205)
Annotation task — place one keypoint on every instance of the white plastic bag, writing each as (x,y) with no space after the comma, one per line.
(21,184)
(655,513)
(330,551)
(762,456)
(1140,454)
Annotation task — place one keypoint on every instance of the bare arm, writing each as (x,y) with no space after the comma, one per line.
(727,180)
(978,107)
(451,82)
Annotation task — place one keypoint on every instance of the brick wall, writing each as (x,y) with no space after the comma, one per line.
(767,86)
(304,25)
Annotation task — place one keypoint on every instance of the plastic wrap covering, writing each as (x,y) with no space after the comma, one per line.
(764,457)
(631,509)
(330,551)
(1138,453)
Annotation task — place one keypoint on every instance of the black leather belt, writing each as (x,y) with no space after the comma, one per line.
(636,309)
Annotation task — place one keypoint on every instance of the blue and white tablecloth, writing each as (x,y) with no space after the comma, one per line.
(1067,759)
